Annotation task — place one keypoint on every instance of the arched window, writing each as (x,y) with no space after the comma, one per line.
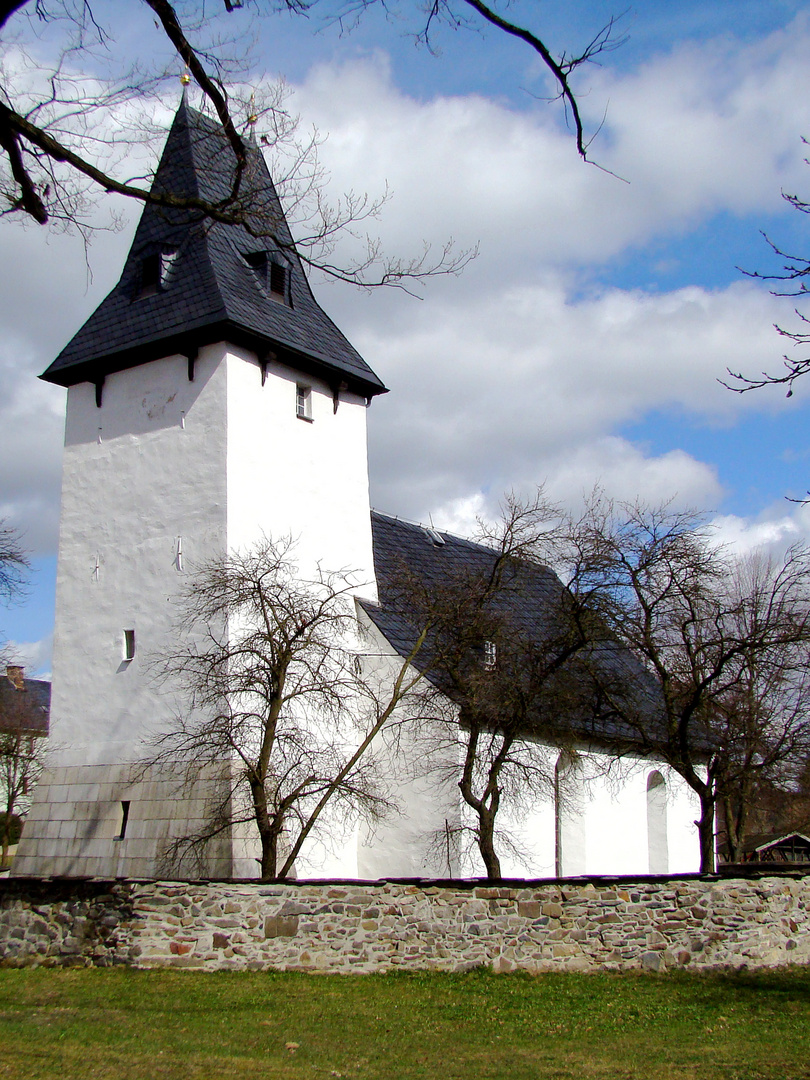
(569,816)
(658,852)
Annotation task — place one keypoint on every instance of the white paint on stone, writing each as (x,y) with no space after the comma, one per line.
(220,462)
(292,477)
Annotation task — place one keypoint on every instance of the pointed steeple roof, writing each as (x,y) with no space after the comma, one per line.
(189,281)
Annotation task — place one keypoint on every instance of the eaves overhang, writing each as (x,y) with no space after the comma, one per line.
(189,341)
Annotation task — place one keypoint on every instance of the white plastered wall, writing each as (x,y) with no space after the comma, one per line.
(604,821)
(306,479)
(139,473)
(210,464)
(142,472)
(409,840)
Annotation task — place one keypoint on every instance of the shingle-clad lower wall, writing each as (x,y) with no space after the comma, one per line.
(75,822)
(655,925)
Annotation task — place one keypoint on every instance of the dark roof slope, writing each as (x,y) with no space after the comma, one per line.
(24,710)
(401,547)
(404,551)
(210,292)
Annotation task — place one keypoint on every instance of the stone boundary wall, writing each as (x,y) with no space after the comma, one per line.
(655,925)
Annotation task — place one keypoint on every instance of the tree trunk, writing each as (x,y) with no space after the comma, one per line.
(269,830)
(705,824)
(269,853)
(486,843)
(736,821)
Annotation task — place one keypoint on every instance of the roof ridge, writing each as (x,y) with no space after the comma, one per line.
(443,532)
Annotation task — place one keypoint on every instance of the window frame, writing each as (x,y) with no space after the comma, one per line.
(303,402)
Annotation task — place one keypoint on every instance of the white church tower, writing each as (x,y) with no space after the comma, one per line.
(210,401)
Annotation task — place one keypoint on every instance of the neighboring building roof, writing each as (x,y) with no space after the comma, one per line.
(209,292)
(404,551)
(24,710)
(768,846)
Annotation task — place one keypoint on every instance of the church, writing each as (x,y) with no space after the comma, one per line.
(211,402)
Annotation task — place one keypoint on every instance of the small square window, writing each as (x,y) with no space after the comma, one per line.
(129,645)
(273,274)
(490,655)
(303,402)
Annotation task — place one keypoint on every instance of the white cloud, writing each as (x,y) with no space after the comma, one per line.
(774,530)
(715,125)
(708,128)
(45,294)
(34,656)
(530,386)
(509,375)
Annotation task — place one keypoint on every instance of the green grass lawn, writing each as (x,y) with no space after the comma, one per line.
(130,1024)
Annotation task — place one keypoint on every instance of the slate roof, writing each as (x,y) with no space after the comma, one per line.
(401,547)
(24,710)
(210,293)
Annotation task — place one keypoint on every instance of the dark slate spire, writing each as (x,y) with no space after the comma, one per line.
(188,281)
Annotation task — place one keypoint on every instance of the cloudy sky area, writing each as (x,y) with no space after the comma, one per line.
(585,342)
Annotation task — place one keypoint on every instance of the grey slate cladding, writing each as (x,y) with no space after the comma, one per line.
(528,600)
(209,293)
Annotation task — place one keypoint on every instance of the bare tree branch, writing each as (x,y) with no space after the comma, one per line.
(49,172)
(561,69)
(275,703)
(796,269)
(14,564)
(727,642)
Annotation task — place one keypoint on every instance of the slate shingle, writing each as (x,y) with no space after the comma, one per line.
(210,293)
(402,547)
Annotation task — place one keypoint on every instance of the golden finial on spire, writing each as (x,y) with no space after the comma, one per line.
(185,78)
(252,117)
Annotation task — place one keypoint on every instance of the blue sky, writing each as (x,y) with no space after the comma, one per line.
(585,342)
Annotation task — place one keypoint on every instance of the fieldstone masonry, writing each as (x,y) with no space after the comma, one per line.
(653,925)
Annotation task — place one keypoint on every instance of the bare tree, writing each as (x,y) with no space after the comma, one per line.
(272,676)
(54,152)
(793,273)
(782,804)
(22,759)
(726,645)
(764,720)
(506,640)
(14,564)
(14,570)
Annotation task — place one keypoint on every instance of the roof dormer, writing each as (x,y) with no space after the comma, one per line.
(272,271)
(154,270)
